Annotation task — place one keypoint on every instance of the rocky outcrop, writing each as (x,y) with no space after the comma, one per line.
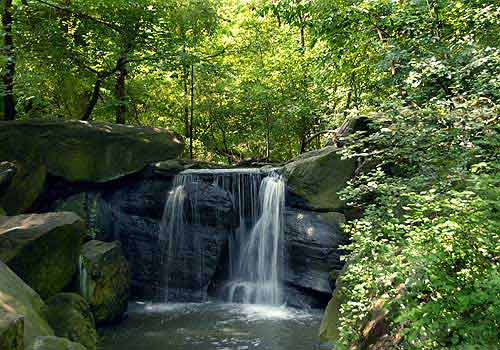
(313,253)
(42,249)
(54,343)
(70,317)
(18,299)
(11,331)
(315,178)
(135,213)
(104,280)
(76,151)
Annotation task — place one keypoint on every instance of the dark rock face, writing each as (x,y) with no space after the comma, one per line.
(7,172)
(130,210)
(313,252)
(189,271)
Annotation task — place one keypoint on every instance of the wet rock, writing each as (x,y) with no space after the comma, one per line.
(42,249)
(312,243)
(70,317)
(104,280)
(190,270)
(54,343)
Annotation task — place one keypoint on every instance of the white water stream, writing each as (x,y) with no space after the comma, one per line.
(256,246)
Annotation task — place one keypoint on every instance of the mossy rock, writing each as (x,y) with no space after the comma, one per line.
(25,187)
(11,331)
(42,249)
(317,176)
(105,280)
(82,151)
(90,207)
(70,317)
(77,152)
(17,298)
(54,343)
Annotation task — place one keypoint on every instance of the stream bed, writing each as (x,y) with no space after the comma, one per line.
(213,326)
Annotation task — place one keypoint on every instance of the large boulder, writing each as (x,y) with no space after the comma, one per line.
(42,249)
(315,177)
(104,280)
(313,241)
(54,343)
(70,317)
(11,331)
(77,151)
(17,298)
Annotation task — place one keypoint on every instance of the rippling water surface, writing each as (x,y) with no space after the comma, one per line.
(213,326)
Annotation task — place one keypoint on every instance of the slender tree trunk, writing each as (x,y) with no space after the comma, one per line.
(10,67)
(120,92)
(93,99)
(191,116)
(186,106)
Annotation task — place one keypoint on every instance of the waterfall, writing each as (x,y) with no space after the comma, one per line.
(257,278)
(254,244)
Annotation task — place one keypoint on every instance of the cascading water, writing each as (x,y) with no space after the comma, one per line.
(257,277)
(254,244)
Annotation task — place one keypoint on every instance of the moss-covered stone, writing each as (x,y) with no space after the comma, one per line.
(105,280)
(11,331)
(90,207)
(42,249)
(17,298)
(54,343)
(317,176)
(25,186)
(70,317)
(78,152)
(82,151)
(329,329)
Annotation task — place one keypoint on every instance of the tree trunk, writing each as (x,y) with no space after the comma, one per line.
(93,99)
(120,93)
(185,78)
(191,116)
(10,67)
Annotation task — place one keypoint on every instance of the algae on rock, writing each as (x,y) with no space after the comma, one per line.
(42,249)
(104,280)
(54,343)
(317,176)
(17,298)
(11,331)
(70,317)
